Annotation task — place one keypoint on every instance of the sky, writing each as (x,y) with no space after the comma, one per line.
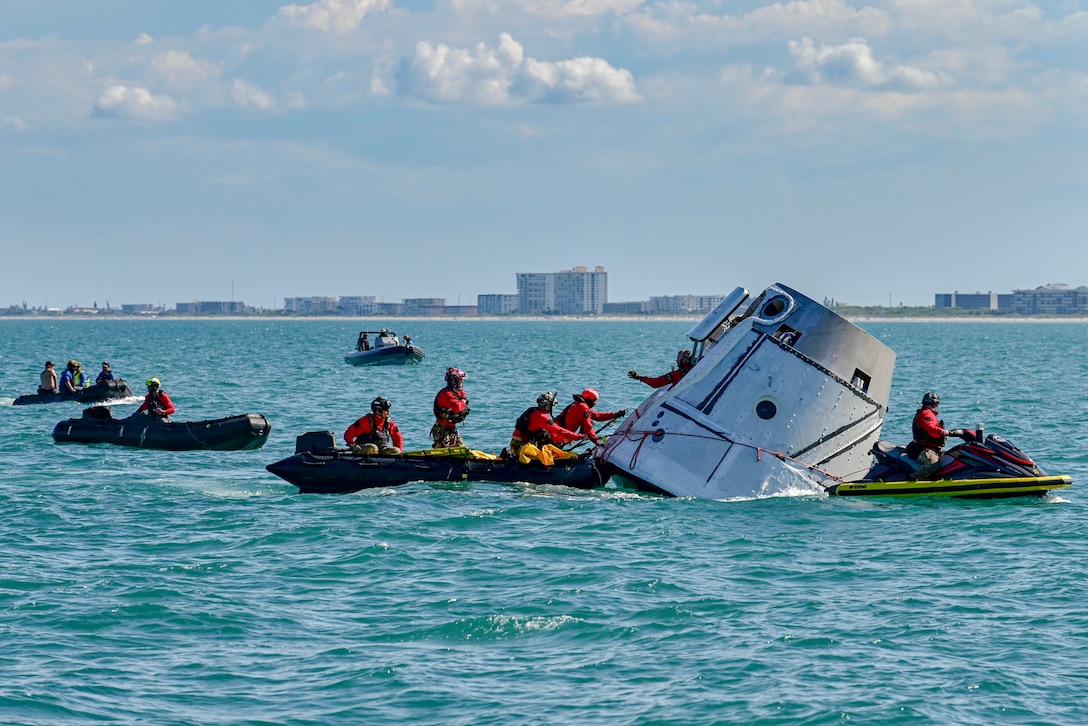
(874,153)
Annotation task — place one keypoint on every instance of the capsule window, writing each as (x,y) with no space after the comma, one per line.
(766,409)
(774,307)
(860,380)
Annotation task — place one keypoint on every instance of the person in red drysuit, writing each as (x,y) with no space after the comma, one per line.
(156,403)
(450,409)
(535,426)
(373,433)
(929,437)
(580,415)
(684,364)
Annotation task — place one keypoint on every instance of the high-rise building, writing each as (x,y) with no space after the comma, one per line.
(497,304)
(569,292)
(536,292)
(358,305)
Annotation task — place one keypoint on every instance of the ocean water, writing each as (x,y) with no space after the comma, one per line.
(194,587)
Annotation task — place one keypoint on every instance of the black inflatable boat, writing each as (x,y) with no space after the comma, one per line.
(97,426)
(318,467)
(105,391)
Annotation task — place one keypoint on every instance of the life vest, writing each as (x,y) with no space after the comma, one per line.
(376,435)
(564,420)
(521,429)
(922,438)
(445,414)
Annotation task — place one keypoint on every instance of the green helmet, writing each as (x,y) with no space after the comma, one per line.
(153,383)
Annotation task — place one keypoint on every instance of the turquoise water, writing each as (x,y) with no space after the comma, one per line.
(194,587)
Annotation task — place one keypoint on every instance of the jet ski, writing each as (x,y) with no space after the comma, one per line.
(982,467)
(319,467)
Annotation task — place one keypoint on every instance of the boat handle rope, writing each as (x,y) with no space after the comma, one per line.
(643,434)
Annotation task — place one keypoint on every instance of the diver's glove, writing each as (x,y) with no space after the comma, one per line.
(632,374)
(958,433)
(621,413)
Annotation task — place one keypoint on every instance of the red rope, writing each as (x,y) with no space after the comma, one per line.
(759,450)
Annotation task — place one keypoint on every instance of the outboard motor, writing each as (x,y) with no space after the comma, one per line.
(316,442)
(98,413)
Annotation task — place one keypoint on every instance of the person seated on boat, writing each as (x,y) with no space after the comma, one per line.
(48,379)
(105,374)
(156,403)
(363,343)
(580,415)
(82,379)
(407,341)
(929,437)
(375,433)
(683,363)
(68,379)
(535,426)
(450,409)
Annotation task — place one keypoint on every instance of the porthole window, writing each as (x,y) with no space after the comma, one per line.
(766,409)
(774,307)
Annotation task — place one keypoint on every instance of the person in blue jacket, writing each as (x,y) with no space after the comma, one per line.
(105,374)
(68,382)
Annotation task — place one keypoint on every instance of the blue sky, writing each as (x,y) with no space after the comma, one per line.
(872,152)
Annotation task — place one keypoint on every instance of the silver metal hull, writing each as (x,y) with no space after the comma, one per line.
(785,397)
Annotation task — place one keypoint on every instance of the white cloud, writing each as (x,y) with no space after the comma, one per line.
(16,123)
(808,15)
(500,75)
(378,86)
(177,64)
(853,64)
(249,95)
(120,101)
(144,39)
(6,82)
(580,7)
(684,25)
(335,16)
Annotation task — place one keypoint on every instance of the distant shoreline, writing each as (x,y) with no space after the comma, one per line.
(386,321)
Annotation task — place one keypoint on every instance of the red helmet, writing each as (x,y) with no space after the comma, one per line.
(590,395)
(454,377)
